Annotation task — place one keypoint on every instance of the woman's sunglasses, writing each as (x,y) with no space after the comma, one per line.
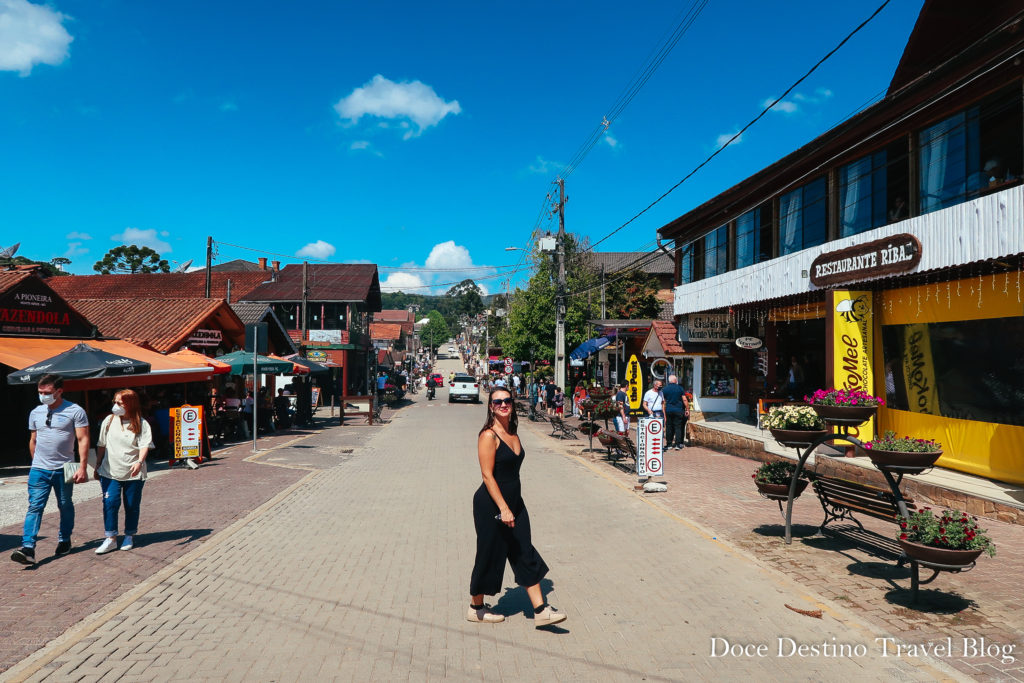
(499,401)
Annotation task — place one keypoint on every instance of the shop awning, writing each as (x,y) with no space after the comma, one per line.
(314,368)
(190,356)
(589,347)
(21,352)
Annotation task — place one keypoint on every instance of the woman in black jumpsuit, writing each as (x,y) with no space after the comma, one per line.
(501,520)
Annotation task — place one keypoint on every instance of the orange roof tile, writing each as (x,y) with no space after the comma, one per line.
(9,278)
(385,331)
(666,332)
(164,324)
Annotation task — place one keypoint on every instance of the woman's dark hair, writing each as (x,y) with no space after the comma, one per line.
(513,419)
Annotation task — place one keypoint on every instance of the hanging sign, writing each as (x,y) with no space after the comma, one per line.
(650,447)
(188,430)
(852,320)
(896,254)
(749,343)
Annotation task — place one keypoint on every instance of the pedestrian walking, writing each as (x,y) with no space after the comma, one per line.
(675,409)
(559,402)
(654,402)
(56,428)
(121,453)
(622,419)
(549,396)
(534,390)
(501,520)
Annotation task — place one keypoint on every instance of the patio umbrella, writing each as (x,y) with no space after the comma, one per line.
(241,363)
(314,367)
(297,369)
(80,362)
(195,357)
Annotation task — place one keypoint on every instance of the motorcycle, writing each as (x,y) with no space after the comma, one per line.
(430,392)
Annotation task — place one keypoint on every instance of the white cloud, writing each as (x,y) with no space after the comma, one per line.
(143,238)
(799,99)
(75,249)
(229,106)
(611,141)
(544,167)
(318,249)
(725,137)
(402,282)
(164,233)
(360,144)
(407,101)
(449,255)
(75,235)
(29,35)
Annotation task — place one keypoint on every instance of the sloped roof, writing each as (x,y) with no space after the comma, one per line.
(666,333)
(254,312)
(9,278)
(338,282)
(157,285)
(385,331)
(613,261)
(394,316)
(238,265)
(164,324)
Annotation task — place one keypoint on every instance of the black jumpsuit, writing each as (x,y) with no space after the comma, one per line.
(495,541)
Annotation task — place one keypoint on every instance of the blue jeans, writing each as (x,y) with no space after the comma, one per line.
(113,492)
(39,484)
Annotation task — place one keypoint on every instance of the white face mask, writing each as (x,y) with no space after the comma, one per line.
(47,399)
(117,410)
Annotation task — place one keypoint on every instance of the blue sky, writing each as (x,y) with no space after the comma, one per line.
(419,136)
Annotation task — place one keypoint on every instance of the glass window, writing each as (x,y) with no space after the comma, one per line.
(687,272)
(717,379)
(862,185)
(802,217)
(716,252)
(970,370)
(949,161)
(754,236)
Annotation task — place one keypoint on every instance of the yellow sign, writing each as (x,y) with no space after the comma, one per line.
(918,370)
(635,377)
(188,431)
(852,318)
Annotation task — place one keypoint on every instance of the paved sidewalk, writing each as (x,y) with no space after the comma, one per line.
(716,491)
(361,571)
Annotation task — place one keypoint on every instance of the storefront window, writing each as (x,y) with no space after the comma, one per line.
(754,236)
(717,379)
(716,252)
(802,217)
(970,370)
(687,271)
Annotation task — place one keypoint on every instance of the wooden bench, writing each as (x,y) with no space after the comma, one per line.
(840,498)
(620,446)
(560,429)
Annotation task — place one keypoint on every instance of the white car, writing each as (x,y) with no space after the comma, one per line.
(464,387)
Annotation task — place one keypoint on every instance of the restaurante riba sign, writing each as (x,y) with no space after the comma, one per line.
(896,254)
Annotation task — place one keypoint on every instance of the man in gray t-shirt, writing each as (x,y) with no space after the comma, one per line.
(57,427)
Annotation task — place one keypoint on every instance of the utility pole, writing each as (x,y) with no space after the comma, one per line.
(560,291)
(603,311)
(209,264)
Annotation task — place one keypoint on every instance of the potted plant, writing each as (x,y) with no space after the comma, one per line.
(794,425)
(844,407)
(902,454)
(952,539)
(772,480)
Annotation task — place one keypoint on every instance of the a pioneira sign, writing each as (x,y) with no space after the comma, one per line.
(896,254)
(32,308)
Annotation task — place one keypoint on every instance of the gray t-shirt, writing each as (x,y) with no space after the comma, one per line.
(55,445)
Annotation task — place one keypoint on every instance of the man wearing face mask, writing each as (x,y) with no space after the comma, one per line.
(56,427)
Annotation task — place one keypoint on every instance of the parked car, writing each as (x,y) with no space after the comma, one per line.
(437,377)
(464,387)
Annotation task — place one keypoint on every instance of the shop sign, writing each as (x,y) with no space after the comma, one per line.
(706,327)
(896,254)
(918,370)
(330,336)
(188,429)
(316,355)
(32,308)
(749,343)
(853,349)
(205,338)
(635,377)
(725,350)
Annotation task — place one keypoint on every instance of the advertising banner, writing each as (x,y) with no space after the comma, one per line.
(918,370)
(188,423)
(635,377)
(852,321)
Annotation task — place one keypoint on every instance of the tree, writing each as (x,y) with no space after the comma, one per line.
(633,296)
(436,331)
(465,298)
(131,258)
(48,269)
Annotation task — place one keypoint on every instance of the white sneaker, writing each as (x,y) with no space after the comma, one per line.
(127,544)
(109,543)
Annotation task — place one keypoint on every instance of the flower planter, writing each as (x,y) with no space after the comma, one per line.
(605,439)
(796,438)
(780,491)
(944,556)
(589,428)
(900,461)
(845,416)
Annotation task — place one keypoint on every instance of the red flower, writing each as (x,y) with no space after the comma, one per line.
(903,525)
(903,537)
